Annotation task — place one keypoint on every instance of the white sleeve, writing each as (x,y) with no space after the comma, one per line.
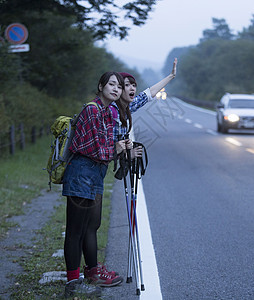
(149,96)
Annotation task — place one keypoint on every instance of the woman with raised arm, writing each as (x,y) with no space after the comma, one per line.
(129,103)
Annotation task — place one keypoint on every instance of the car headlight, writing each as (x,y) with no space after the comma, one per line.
(232,118)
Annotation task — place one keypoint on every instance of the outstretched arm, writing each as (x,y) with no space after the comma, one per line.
(161,84)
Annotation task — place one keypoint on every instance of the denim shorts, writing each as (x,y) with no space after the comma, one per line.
(84,177)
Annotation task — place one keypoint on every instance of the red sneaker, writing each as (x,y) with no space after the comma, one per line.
(110,272)
(101,277)
(113,273)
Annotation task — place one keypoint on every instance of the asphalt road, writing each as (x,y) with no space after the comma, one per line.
(200,200)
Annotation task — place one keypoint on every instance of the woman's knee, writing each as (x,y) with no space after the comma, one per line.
(95,214)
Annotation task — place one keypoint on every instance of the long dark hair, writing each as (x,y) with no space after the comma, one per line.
(105,78)
(125,115)
(124,111)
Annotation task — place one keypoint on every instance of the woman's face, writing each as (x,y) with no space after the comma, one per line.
(112,90)
(129,91)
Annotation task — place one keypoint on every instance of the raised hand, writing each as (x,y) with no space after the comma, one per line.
(173,73)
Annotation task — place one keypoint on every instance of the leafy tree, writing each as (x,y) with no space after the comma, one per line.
(63,60)
(214,67)
(62,68)
(218,64)
(248,33)
(4,119)
(102,17)
(9,67)
(60,56)
(220,30)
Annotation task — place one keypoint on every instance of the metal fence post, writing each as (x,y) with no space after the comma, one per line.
(22,136)
(12,139)
(33,135)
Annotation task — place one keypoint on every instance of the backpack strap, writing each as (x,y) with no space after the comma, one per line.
(92,103)
(142,166)
(76,117)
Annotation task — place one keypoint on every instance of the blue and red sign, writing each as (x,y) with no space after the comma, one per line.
(16,33)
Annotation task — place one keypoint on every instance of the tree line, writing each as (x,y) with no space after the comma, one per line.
(221,62)
(63,66)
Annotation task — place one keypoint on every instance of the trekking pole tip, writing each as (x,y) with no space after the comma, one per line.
(129,280)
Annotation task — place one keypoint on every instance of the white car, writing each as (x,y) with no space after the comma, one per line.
(235,111)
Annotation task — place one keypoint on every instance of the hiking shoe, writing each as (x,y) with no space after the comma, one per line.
(101,277)
(113,273)
(79,287)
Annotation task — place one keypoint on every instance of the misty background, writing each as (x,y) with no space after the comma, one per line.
(73,42)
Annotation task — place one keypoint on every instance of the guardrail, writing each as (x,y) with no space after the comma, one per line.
(202,103)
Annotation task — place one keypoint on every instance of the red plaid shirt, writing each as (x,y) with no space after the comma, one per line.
(94,133)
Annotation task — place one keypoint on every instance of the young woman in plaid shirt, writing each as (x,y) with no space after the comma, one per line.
(93,149)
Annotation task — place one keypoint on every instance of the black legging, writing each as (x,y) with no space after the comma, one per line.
(83,220)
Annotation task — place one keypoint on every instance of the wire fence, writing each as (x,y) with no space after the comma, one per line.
(16,137)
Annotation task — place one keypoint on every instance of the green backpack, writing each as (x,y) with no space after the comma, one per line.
(63,130)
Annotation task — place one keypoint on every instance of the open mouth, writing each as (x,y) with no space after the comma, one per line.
(132,95)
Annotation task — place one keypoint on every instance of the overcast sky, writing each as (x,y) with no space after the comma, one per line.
(177,23)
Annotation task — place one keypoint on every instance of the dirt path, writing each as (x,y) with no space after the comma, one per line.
(19,240)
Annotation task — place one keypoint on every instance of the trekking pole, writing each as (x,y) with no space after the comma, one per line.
(135,261)
(137,235)
(134,218)
(130,258)
(130,255)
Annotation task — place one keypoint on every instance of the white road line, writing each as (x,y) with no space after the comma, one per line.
(210,131)
(250,150)
(149,265)
(198,126)
(188,121)
(233,142)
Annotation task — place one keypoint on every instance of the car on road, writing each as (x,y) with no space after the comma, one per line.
(235,111)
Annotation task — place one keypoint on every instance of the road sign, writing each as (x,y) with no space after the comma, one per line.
(16,33)
(19,48)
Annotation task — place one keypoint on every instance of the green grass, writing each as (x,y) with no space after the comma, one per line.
(50,240)
(39,260)
(21,179)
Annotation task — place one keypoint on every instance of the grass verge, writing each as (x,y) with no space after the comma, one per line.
(22,179)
